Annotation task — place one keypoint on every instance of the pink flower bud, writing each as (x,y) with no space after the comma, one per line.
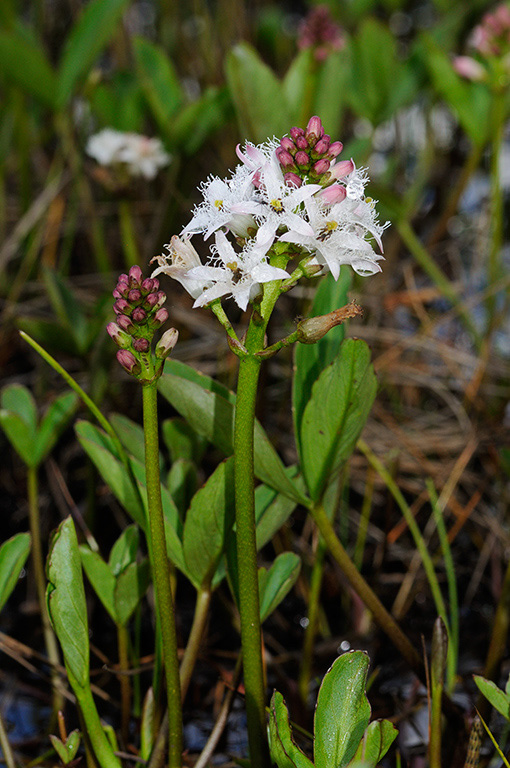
(117,294)
(322,146)
(321,166)
(134,295)
(129,362)
(296,133)
(121,338)
(302,159)
(125,323)
(301,142)
(150,284)
(121,307)
(141,345)
(159,318)
(341,169)
(314,130)
(332,194)
(288,144)
(154,301)
(166,343)
(293,180)
(285,158)
(256,180)
(135,275)
(139,315)
(335,148)
(469,68)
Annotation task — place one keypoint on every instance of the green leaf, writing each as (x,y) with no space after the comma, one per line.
(99,448)
(208,520)
(257,94)
(53,423)
(498,698)
(67,308)
(311,359)
(66,752)
(119,103)
(182,441)
(471,102)
(335,414)
(284,751)
(19,435)
(209,409)
(13,556)
(297,85)
(130,586)
(65,597)
(123,552)
(25,64)
(18,399)
(196,121)
(182,483)
(272,510)
(148,725)
(18,419)
(95,26)
(343,712)
(276,583)
(377,739)
(159,82)
(330,90)
(131,436)
(101,577)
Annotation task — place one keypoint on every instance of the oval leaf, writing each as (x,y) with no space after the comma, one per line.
(101,578)
(281,744)
(276,583)
(13,556)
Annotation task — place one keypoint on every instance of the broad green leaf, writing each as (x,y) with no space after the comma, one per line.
(66,308)
(276,582)
(284,751)
(196,121)
(257,94)
(18,399)
(159,82)
(123,552)
(336,414)
(330,90)
(272,510)
(131,436)
(101,577)
(182,483)
(53,423)
(96,24)
(211,413)
(21,438)
(148,728)
(471,102)
(65,597)
(100,450)
(182,441)
(119,103)
(311,359)
(208,520)
(130,586)
(298,85)
(498,698)
(343,712)
(377,739)
(26,65)
(13,556)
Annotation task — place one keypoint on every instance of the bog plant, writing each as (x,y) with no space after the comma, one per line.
(291,209)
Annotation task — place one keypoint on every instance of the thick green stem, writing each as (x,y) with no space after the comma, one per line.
(124,681)
(496,210)
(313,620)
(161,573)
(363,590)
(102,748)
(40,582)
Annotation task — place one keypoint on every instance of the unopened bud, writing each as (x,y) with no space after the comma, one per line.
(286,160)
(288,144)
(292,180)
(335,148)
(139,315)
(135,276)
(141,345)
(129,362)
(159,318)
(321,166)
(302,159)
(301,142)
(150,284)
(166,343)
(341,169)
(134,295)
(154,301)
(120,337)
(296,133)
(333,194)
(314,328)
(314,131)
(125,323)
(322,146)
(121,307)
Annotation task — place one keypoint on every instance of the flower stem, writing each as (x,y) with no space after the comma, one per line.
(128,235)
(96,735)
(197,632)
(496,206)
(124,681)
(161,573)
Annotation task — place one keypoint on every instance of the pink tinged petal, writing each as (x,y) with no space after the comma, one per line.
(341,169)
(249,207)
(333,194)
(293,180)
(335,148)
(469,68)
(288,144)
(301,158)
(321,166)
(296,133)
(295,237)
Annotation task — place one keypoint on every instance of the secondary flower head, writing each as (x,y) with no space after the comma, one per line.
(139,155)
(490,41)
(320,32)
(292,199)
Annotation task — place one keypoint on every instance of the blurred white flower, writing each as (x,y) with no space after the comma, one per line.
(141,155)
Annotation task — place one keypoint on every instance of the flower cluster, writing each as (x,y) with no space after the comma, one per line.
(140,312)
(321,33)
(138,155)
(491,42)
(288,200)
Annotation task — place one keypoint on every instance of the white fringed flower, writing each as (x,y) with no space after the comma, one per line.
(141,155)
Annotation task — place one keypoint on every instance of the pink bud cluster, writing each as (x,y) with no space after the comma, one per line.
(320,32)
(492,36)
(140,312)
(311,154)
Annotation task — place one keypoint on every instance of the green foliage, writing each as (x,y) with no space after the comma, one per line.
(13,556)
(159,82)
(18,418)
(499,699)
(277,581)
(66,750)
(342,733)
(36,77)
(335,415)
(121,583)
(65,597)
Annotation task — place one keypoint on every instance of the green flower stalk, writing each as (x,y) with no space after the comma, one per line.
(140,312)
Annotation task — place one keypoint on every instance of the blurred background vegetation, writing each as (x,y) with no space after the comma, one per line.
(202,77)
